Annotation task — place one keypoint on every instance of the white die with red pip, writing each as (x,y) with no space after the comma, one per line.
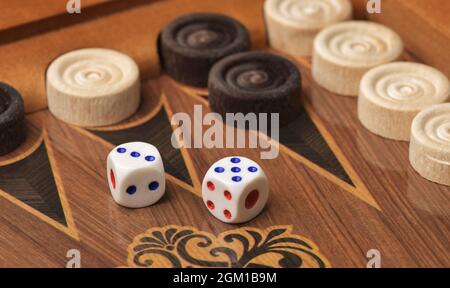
(136,174)
(235,189)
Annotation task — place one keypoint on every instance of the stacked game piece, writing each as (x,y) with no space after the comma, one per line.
(235,189)
(191,44)
(391,95)
(345,51)
(93,87)
(429,151)
(255,82)
(12,128)
(136,174)
(293,24)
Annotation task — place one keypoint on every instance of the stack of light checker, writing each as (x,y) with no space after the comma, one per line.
(397,100)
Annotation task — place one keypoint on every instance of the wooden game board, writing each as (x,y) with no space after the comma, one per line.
(337,191)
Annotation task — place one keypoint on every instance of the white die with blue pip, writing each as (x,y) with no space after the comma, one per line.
(136,174)
(235,189)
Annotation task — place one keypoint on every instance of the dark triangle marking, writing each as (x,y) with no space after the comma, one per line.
(31,181)
(157,131)
(303,137)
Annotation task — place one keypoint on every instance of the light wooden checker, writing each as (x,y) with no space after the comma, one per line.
(343,52)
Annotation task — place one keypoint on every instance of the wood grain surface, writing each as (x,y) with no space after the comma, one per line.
(356,193)
(23,12)
(424,27)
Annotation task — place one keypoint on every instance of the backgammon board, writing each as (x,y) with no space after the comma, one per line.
(339,195)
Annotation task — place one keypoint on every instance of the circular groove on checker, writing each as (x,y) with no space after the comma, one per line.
(191,44)
(12,117)
(255,82)
(391,95)
(93,87)
(343,52)
(429,149)
(293,24)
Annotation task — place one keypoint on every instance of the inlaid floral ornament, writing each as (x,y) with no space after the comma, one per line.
(247,247)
